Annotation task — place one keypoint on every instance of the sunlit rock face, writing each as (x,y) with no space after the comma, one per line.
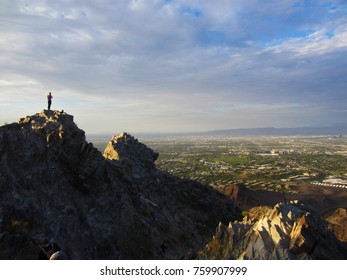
(137,159)
(287,231)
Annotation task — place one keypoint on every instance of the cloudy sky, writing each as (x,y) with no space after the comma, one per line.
(175,66)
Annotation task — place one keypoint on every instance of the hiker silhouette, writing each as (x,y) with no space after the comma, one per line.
(163,248)
(49,99)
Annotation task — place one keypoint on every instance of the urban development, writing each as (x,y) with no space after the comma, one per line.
(272,163)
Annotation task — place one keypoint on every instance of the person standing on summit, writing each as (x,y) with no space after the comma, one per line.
(49,98)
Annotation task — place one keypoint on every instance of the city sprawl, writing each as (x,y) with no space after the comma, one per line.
(260,163)
(268,163)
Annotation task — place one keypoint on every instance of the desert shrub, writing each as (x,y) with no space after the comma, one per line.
(17,225)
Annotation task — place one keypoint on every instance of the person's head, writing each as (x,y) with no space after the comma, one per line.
(49,93)
(59,255)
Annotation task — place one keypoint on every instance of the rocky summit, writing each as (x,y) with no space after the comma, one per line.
(55,185)
(286,231)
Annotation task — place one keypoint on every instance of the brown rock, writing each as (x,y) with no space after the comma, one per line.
(243,197)
(337,223)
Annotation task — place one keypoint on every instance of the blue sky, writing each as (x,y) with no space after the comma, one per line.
(175,66)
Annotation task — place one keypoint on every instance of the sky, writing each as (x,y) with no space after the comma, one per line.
(173,65)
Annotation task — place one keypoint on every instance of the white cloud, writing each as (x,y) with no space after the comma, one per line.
(322,41)
(179,61)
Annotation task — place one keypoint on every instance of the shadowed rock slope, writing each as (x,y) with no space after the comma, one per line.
(54,184)
(286,231)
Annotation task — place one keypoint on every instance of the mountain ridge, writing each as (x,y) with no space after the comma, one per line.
(309,130)
(55,185)
(332,130)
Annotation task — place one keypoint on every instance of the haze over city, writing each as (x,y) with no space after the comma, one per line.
(175,66)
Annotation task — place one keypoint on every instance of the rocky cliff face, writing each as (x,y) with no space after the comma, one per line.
(54,184)
(287,231)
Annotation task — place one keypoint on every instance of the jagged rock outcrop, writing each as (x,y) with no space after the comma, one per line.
(54,184)
(287,231)
(136,158)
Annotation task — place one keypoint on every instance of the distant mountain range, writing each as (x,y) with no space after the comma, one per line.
(333,130)
(339,129)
